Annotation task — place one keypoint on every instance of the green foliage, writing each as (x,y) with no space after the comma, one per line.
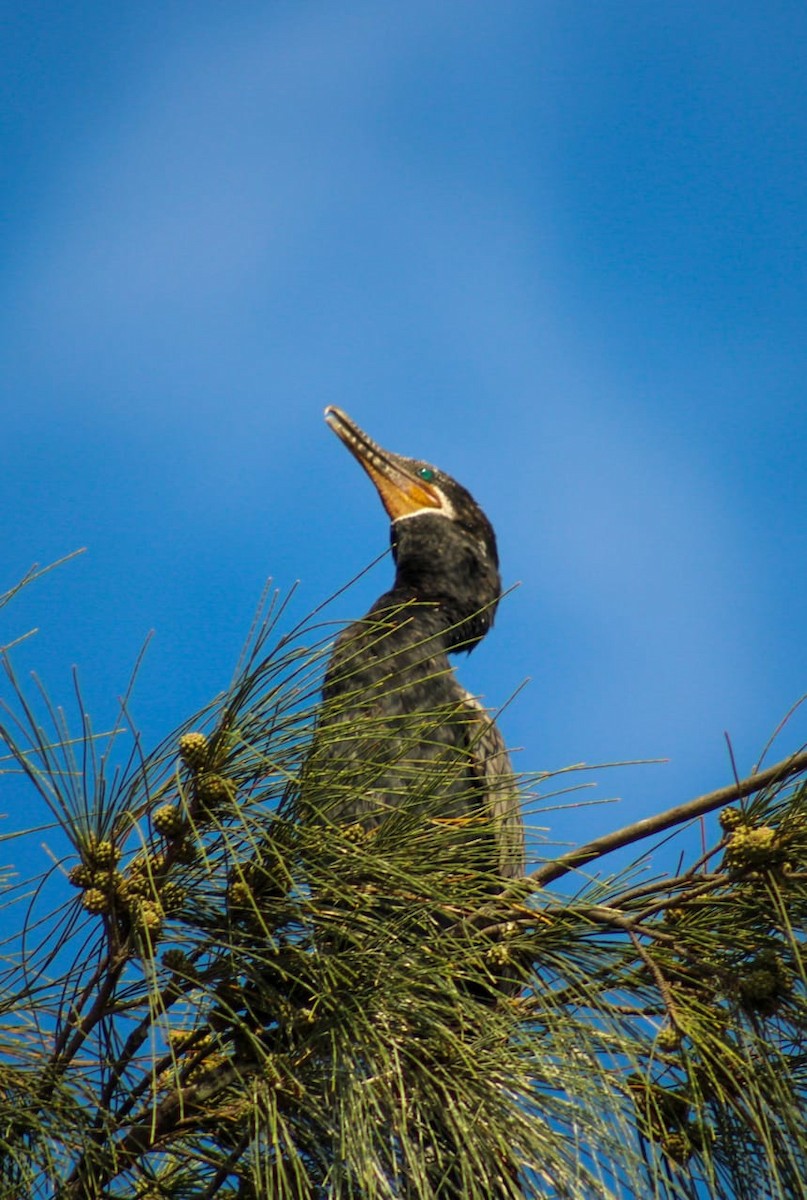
(222,989)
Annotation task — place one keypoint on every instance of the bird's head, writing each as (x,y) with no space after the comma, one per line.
(443,544)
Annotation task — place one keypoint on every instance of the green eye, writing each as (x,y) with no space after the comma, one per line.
(426,473)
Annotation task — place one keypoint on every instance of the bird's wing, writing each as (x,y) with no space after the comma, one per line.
(492,762)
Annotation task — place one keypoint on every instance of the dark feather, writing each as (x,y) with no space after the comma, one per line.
(404,733)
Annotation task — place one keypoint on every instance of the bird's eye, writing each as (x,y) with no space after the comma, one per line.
(426,473)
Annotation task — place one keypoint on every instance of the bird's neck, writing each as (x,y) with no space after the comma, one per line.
(433,615)
(450,574)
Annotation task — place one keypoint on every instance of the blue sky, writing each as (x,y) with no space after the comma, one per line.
(558,249)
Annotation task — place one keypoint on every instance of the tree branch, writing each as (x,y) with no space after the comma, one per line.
(648,826)
(152,1127)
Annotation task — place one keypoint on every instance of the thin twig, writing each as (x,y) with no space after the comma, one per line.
(649,826)
(675,883)
(661,983)
(154,1126)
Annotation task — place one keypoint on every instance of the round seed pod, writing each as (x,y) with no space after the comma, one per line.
(752,848)
(80,876)
(172,897)
(95,901)
(185,851)
(193,748)
(169,821)
(105,855)
(213,790)
(730,818)
(148,916)
(177,960)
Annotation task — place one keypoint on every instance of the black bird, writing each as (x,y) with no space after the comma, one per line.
(439,755)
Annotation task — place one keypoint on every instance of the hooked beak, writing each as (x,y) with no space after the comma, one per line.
(402,492)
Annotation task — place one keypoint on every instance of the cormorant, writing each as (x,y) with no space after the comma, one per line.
(389,685)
